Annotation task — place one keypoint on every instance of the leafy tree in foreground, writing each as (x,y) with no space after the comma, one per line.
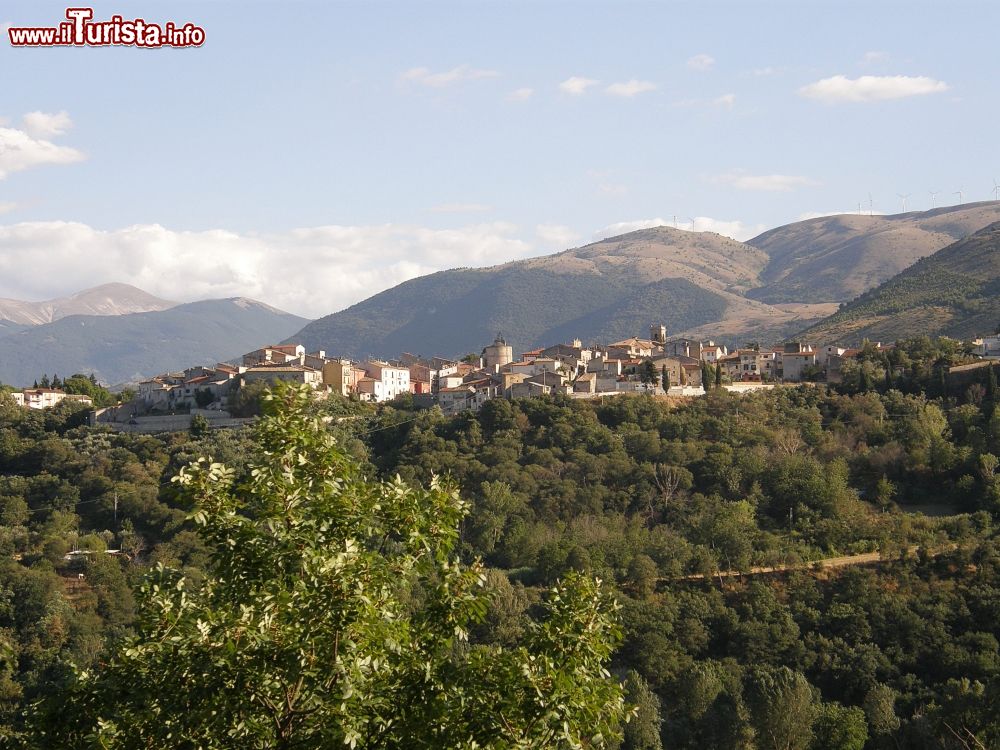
(334,612)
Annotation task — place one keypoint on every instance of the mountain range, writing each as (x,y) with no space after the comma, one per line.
(106,299)
(125,348)
(836,258)
(697,283)
(954,292)
(928,272)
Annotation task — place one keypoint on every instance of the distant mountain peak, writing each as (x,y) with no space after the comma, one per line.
(835,258)
(114,298)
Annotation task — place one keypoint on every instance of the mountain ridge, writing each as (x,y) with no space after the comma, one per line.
(692,279)
(835,258)
(954,292)
(114,298)
(126,348)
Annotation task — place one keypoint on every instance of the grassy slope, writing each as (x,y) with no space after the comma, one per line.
(955,292)
(836,258)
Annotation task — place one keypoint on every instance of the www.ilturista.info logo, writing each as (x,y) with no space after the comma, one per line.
(80,30)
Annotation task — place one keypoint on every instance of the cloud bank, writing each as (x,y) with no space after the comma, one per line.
(630,88)
(735,229)
(838,89)
(577,85)
(29,147)
(312,271)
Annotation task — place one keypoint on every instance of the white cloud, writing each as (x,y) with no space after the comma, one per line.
(630,88)
(740,179)
(556,236)
(871,88)
(6,207)
(46,125)
(576,85)
(726,100)
(425,77)
(520,95)
(735,229)
(334,266)
(19,151)
(701,62)
(624,227)
(461,208)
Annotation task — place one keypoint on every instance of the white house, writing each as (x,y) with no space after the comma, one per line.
(390,381)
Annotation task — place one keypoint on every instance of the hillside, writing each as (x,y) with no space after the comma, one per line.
(8,326)
(836,258)
(106,299)
(955,292)
(603,291)
(125,348)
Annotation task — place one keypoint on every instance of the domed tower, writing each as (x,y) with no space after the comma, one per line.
(497,354)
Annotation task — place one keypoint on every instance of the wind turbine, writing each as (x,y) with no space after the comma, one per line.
(934,195)
(959,194)
(996,189)
(903,198)
(871,205)
(694,221)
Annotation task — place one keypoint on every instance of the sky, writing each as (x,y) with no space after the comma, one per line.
(311,154)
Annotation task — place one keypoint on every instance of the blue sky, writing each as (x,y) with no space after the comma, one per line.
(312,153)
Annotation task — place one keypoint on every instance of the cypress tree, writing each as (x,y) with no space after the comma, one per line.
(718,374)
(664,378)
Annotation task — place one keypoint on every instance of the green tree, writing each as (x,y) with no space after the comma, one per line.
(718,374)
(199,426)
(664,379)
(782,708)
(643,730)
(648,372)
(879,706)
(203,397)
(642,575)
(839,727)
(334,612)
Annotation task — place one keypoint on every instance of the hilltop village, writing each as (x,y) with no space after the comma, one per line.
(657,366)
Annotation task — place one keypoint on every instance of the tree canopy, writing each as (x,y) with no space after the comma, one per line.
(334,611)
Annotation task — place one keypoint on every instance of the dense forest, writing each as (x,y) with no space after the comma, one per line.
(708,519)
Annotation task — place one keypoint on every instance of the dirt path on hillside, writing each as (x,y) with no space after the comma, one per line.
(843,561)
